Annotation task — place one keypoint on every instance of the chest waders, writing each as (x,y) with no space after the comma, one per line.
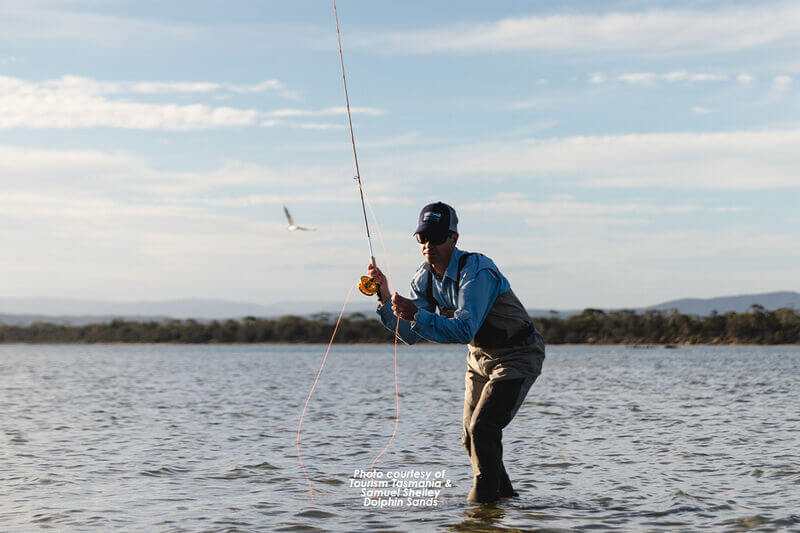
(506,325)
(506,335)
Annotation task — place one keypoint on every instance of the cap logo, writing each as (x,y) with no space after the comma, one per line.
(431,216)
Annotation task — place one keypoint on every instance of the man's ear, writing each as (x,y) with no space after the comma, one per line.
(455,238)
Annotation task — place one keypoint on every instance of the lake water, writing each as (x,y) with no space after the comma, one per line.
(202,438)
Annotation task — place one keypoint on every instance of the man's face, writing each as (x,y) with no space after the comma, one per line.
(436,253)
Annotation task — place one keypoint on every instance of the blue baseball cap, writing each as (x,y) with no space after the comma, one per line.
(437,220)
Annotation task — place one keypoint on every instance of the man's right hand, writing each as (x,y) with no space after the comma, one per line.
(383,286)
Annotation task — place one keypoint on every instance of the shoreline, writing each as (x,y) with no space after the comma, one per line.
(665,346)
(592,327)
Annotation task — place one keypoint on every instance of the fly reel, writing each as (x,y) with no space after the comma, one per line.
(368,286)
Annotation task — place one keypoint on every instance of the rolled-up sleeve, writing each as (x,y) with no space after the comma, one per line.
(476,296)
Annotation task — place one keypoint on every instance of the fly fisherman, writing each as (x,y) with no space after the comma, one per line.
(476,307)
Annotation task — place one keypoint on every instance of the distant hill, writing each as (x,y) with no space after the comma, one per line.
(703,306)
(24,311)
(186,308)
(739,304)
(73,320)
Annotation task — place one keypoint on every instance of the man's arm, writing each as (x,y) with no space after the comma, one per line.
(386,313)
(475,297)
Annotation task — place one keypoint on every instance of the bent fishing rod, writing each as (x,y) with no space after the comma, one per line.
(367,285)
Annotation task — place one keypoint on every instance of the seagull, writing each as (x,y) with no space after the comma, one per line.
(292,225)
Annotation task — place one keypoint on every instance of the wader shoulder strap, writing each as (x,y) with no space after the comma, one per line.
(488,335)
(429,289)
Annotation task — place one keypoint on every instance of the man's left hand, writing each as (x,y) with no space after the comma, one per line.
(403,307)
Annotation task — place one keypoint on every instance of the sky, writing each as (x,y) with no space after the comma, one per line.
(604,154)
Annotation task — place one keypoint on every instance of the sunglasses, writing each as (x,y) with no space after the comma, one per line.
(422,238)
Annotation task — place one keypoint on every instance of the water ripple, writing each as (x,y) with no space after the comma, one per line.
(202,438)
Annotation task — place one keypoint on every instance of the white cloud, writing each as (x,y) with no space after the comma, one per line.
(88,85)
(678,75)
(709,77)
(57,182)
(732,160)
(110,222)
(272,123)
(28,20)
(265,86)
(72,102)
(95,112)
(163,87)
(658,31)
(84,245)
(338,110)
(638,77)
(702,110)
(782,81)
(124,176)
(35,161)
(745,78)
(674,76)
(167,87)
(108,225)
(597,78)
(410,139)
(574,212)
(597,262)
(311,197)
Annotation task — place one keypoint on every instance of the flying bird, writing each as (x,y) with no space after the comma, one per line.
(292,225)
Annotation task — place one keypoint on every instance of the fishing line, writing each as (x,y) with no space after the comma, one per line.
(366,285)
(322,366)
(314,386)
(396,330)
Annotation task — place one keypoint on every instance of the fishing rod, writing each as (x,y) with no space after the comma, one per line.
(367,285)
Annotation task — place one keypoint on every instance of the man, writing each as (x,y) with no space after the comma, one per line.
(477,307)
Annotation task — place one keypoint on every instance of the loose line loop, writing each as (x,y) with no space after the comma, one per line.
(314,386)
(364,202)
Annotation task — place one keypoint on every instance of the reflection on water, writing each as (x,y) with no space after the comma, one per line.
(486,517)
(195,438)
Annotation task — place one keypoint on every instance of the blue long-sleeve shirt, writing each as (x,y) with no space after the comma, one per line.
(480,284)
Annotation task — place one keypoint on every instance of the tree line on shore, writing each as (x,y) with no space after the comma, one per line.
(592,326)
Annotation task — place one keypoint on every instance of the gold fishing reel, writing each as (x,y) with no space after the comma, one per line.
(368,286)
